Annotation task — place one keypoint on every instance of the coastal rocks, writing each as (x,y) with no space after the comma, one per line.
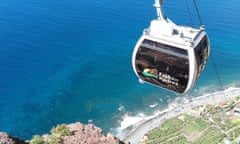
(79,134)
(88,134)
(7,139)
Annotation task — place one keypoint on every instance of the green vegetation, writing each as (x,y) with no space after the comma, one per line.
(51,139)
(61,130)
(37,140)
(215,125)
(189,118)
(54,138)
(235,121)
(166,132)
(179,139)
(238,98)
(195,126)
(235,133)
(211,136)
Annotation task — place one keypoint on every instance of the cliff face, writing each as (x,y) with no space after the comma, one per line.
(80,134)
(88,134)
(7,139)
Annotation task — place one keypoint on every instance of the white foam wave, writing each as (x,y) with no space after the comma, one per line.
(90,121)
(160,99)
(131,120)
(121,108)
(153,105)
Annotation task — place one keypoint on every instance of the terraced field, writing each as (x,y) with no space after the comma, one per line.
(211,124)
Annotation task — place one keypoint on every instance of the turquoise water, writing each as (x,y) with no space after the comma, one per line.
(68,61)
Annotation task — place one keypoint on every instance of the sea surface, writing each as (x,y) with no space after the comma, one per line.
(67,61)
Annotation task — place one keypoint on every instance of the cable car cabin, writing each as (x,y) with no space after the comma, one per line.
(170,56)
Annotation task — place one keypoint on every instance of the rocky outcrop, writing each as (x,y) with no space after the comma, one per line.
(7,139)
(80,134)
(88,134)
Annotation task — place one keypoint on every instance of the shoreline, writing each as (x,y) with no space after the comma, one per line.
(135,132)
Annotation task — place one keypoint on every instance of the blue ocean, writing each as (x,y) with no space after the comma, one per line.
(68,61)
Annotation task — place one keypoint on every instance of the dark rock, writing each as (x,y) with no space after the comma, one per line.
(7,139)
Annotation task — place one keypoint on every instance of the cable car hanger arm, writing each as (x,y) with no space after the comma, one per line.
(158,4)
(161,16)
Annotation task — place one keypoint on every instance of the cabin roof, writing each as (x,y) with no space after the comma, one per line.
(171,32)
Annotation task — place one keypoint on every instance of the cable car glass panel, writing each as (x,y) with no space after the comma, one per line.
(163,65)
(202,53)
